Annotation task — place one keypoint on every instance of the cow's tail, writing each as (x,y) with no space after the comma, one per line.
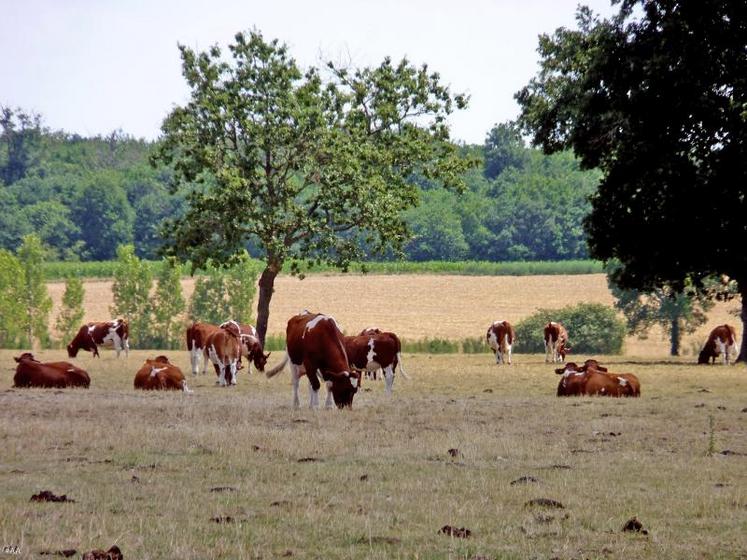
(278,368)
(401,366)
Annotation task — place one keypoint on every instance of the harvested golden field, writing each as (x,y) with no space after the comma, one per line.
(430,306)
(234,473)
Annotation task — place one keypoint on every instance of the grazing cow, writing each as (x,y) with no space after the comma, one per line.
(30,372)
(722,340)
(586,380)
(160,374)
(501,337)
(556,340)
(251,347)
(371,352)
(93,335)
(315,347)
(224,350)
(197,335)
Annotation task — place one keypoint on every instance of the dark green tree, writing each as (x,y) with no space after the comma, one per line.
(36,301)
(11,299)
(504,148)
(19,142)
(656,97)
(311,169)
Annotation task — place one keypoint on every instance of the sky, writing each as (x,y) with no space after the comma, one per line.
(94,66)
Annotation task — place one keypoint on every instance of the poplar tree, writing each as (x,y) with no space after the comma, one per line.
(71,315)
(34,295)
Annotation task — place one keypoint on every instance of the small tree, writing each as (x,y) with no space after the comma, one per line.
(36,301)
(168,304)
(241,287)
(131,290)
(11,301)
(71,316)
(222,294)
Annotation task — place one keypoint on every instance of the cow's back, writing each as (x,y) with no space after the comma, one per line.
(50,375)
(318,340)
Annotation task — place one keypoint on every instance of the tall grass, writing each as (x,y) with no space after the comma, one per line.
(105,269)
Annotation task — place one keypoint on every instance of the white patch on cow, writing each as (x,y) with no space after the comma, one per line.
(313,323)
(371,354)
(623,382)
(354,381)
(155,371)
(389,379)
(114,337)
(221,366)
(91,327)
(71,370)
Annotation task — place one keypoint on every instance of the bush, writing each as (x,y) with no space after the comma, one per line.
(430,346)
(475,345)
(593,328)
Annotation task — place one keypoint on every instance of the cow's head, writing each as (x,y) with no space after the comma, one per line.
(255,352)
(161,359)
(344,386)
(72,350)
(593,364)
(25,356)
(705,356)
(569,368)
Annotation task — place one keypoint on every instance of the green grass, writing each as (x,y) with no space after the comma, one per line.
(105,269)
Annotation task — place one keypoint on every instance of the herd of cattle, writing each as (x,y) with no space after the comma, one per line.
(317,348)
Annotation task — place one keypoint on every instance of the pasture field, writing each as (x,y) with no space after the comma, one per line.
(151,471)
(418,306)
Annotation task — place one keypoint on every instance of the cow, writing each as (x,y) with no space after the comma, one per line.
(251,347)
(30,372)
(372,373)
(315,347)
(224,350)
(197,335)
(160,374)
(371,352)
(586,380)
(92,335)
(556,340)
(722,340)
(501,337)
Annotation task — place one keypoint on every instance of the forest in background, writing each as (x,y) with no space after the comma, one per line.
(85,196)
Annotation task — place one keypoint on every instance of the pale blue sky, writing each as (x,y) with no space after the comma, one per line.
(91,67)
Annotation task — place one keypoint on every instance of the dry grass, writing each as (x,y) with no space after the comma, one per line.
(383,483)
(420,306)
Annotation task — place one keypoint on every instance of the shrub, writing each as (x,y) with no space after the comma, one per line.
(593,328)
(430,346)
(475,345)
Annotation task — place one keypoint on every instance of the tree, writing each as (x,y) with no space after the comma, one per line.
(133,280)
(71,315)
(36,301)
(504,148)
(222,294)
(19,140)
(656,97)
(168,304)
(311,170)
(11,300)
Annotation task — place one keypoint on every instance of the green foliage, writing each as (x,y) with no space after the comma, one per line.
(12,312)
(71,315)
(34,296)
(225,293)
(430,346)
(504,148)
(593,328)
(165,329)
(475,345)
(19,143)
(133,280)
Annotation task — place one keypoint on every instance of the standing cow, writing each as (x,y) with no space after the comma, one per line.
(197,335)
(721,341)
(92,335)
(371,352)
(556,342)
(501,337)
(160,374)
(30,372)
(224,350)
(315,347)
(251,347)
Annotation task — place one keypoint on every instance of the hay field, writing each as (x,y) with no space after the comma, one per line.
(432,306)
(378,481)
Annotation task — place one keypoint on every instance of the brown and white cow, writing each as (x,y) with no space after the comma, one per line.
(586,380)
(30,372)
(197,335)
(92,335)
(556,340)
(375,351)
(315,347)
(372,373)
(160,374)
(721,341)
(501,337)
(224,350)
(251,347)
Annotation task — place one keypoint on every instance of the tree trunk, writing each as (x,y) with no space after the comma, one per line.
(675,337)
(743,296)
(266,288)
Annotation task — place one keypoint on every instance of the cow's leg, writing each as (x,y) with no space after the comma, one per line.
(126,342)
(330,402)
(295,378)
(722,349)
(185,388)
(314,386)
(205,359)
(194,359)
(548,350)
(234,371)
(389,378)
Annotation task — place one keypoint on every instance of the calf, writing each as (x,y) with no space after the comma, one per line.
(315,347)
(371,352)
(92,335)
(197,335)
(224,350)
(251,347)
(722,340)
(30,372)
(586,380)
(160,374)
(556,340)
(501,337)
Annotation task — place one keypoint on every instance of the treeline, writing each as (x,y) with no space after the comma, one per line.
(84,197)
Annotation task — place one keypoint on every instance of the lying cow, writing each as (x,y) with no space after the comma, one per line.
(501,337)
(556,342)
(721,341)
(30,372)
(587,380)
(251,347)
(371,352)
(315,348)
(92,335)
(160,374)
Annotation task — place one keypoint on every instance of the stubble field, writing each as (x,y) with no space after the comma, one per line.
(155,473)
